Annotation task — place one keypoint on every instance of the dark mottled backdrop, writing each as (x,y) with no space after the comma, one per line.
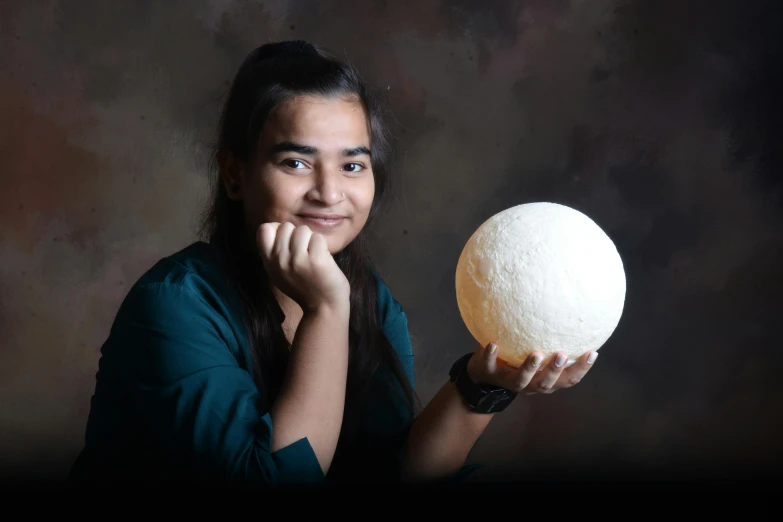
(660,119)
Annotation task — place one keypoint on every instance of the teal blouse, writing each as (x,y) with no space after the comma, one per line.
(174,400)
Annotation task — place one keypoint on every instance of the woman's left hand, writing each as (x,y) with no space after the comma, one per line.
(485,368)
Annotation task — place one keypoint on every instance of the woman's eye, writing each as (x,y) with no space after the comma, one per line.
(354,167)
(294,164)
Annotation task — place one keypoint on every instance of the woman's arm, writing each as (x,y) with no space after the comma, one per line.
(442,436)
(310,404)
(312,397)
(177,355)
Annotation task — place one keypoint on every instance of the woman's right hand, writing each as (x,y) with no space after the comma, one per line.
(299,263)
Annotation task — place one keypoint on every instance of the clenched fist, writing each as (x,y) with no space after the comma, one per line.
(299,263)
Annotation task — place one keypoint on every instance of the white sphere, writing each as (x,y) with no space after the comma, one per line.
(540,277)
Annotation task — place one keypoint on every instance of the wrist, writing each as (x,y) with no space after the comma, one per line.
(338,299)
(328,308)
(479,397)
(472,371)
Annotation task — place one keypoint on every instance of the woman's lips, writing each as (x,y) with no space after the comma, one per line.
(323,222)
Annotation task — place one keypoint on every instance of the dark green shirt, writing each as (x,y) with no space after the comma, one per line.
(174,399)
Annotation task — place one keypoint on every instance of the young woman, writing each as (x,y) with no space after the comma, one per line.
(273,353)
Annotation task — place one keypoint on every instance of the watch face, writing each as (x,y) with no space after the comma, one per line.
(494,400)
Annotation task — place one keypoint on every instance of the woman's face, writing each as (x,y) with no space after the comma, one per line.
(312,167)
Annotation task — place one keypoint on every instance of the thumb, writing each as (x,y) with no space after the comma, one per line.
(491,356)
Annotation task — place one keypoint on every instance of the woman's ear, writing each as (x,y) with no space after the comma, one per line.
(231,174)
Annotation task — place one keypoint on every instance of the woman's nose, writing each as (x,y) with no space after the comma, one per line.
(326,188)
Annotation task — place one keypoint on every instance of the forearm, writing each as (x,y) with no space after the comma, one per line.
(312,397)
(442,436)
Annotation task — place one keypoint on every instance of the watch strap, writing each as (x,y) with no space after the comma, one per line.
(481,398)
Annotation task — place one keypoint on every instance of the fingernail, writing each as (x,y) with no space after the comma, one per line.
(592,357)
(537,360)
(493,348)
(560,360)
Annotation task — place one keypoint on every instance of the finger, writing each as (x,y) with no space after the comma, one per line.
(546,380)
(527,371)
(283,242)
(318,246)
(572,375)
(300,241)
(490,357)
(265,237)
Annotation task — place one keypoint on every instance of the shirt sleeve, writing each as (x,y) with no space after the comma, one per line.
(394,324)
(188,385)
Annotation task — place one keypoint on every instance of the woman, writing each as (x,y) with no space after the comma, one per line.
(274,354)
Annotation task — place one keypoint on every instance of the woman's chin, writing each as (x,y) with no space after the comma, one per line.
(336,245)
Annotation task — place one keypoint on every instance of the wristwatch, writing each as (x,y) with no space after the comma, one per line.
(481,398)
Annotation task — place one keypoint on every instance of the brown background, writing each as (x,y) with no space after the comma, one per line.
(659,119)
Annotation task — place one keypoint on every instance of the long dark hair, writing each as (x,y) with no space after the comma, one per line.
(270,75)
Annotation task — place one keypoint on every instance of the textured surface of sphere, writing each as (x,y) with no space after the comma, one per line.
(540,276)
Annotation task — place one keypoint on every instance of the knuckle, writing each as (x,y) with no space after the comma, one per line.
(317,260)
(303,230)
(545,386)
(573,381)
(298,261)
(267,231)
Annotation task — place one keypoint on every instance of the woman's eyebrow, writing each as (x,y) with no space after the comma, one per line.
(289,146)
(356,151)
(308,150)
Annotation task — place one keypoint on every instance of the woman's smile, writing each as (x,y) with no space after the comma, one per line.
(322,221)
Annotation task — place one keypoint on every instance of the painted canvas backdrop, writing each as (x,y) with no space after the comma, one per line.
(652,117)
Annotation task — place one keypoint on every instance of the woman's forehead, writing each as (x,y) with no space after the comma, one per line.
(322,122)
